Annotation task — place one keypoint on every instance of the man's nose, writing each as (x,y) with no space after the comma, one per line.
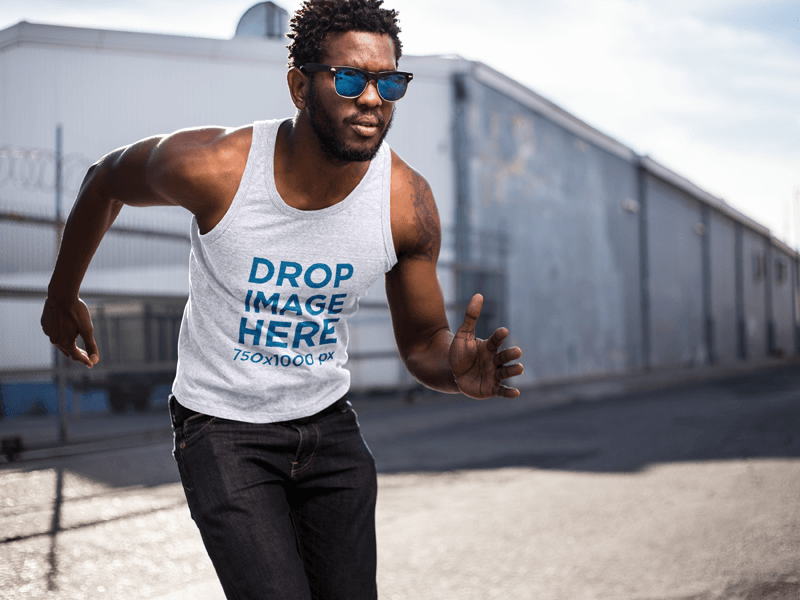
(370,97)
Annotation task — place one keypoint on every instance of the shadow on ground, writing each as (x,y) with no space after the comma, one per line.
(747,416)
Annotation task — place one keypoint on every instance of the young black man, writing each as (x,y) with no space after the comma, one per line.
(293,220)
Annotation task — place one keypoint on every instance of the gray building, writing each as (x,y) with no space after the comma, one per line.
(598,260)
(615,263)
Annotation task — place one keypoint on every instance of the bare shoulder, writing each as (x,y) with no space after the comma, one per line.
(416,229)
(199,156)
(200,169)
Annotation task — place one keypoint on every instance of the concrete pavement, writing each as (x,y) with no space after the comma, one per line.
(689,493)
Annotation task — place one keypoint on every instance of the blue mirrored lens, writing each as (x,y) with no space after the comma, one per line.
(392,87)
(350,83)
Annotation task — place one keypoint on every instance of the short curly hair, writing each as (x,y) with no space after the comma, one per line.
(316,18)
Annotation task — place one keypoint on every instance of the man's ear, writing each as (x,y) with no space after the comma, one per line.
(298,87)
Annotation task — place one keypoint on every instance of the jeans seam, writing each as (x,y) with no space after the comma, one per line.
(310,459)
(299,449)
(296,537)
(186,479)
(187,438)
(186,420)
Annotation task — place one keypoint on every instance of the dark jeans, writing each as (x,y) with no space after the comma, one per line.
(286,510)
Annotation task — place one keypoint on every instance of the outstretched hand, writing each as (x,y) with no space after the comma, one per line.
(477,365)
(62,321)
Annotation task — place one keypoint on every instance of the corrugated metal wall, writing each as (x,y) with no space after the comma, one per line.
(722,237)
(615,263)
(573,269)
(754,279)
(676,278)
(782,303)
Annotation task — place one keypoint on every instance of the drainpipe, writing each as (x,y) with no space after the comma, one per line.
(768,282)
(59,360)
(741,329)
(461,162)
(708,314)
(796,302)
(644,260)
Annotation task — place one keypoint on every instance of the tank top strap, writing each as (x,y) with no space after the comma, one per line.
(386,206)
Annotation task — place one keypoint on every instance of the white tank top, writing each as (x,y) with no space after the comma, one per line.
(264,333)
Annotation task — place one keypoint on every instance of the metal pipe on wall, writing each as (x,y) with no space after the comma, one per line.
(708,310)
(644,261)
(741,329)
(769,281)
(60,374)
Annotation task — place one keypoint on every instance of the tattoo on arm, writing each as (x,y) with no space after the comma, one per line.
(426,220)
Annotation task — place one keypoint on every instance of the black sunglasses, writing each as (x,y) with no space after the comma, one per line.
(350,82)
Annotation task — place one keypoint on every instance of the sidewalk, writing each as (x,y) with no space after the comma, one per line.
(94,432)
(91,432)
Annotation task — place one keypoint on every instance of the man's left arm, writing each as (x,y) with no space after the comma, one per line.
(432,354)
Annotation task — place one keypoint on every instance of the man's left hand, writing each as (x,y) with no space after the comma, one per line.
(477,366)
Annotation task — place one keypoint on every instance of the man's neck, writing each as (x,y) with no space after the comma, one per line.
(305,176)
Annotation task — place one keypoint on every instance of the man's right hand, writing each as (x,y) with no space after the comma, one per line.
(62,321)
(181,169)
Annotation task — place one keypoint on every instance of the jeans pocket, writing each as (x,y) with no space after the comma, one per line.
(192,428)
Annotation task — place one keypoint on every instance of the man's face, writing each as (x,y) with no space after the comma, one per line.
(351,129)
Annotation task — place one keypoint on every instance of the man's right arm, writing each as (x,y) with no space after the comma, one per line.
(196,169)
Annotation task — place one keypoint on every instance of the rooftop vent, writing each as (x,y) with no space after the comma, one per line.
(263,20)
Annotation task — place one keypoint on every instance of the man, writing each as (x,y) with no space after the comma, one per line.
(293,220)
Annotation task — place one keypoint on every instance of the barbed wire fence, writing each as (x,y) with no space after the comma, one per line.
(36,169)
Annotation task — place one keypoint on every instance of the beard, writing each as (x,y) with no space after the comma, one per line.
(330,134)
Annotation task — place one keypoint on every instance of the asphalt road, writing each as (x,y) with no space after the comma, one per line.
(687,494)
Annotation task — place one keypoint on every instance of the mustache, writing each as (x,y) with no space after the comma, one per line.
(372,116)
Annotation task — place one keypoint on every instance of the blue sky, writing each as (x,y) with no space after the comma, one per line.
(709,88)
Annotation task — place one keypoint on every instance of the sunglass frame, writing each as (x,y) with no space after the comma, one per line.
(370,75)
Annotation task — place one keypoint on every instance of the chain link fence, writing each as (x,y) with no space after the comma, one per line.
(133,289)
